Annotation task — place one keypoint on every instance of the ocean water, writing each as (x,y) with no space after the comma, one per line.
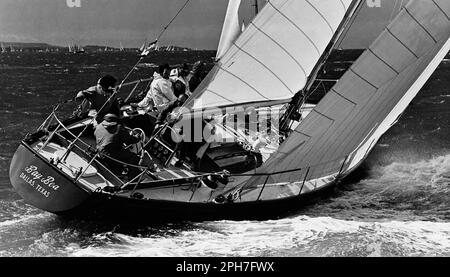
(396,204)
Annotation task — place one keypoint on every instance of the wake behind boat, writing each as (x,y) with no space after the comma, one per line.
(246,170)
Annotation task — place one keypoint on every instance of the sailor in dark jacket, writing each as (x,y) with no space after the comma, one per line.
(111,138)
(180,93)
(101,97)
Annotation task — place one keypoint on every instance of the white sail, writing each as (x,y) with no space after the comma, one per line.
(347,123)
(274,57)
(143,47)
(230,29)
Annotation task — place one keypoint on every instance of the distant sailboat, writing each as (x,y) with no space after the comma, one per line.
(121,49)
(75,48)
(142,47)
(3,48)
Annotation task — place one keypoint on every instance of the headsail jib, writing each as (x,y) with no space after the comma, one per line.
(275,55)
(231,28)
(346,124)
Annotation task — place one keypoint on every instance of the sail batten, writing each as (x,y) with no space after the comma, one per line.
(275,55)
(368,99)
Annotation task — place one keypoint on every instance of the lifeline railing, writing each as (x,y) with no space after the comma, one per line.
(48,124)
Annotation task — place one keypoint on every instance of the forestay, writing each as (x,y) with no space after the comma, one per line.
(275,55)
(337,136)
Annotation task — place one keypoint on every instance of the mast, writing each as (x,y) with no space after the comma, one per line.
(299,99)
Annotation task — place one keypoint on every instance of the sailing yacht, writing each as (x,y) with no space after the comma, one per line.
(244,171)
(75,48)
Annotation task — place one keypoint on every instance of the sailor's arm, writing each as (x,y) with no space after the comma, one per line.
(85,94)
(145,103)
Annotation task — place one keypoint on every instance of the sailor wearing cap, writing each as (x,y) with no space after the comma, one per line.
(181,75)
(111,139)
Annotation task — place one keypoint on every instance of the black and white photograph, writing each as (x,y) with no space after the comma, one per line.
(238,130)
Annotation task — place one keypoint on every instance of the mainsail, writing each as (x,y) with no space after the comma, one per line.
(230,29)
(274,57)
(371,96)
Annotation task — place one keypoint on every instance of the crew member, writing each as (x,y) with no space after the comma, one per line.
(182,75)
(101,98)
(161,93)
(179,92)
(111,138)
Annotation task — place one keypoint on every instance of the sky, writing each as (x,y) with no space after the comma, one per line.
(110,22)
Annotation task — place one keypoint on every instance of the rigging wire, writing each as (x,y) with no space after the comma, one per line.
(393,10)
(173,19)
(159,36)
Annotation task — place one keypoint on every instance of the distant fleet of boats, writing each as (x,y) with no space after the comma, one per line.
(9,49)
(75,48)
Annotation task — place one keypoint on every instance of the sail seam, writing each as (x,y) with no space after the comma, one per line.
(324,18)
(298,132)
(240,79)
(327,117)
(354,103)
(268,69)
(439,7)
(296,26)
(220,96)
(343,5)
(281,47)
(421,26)
(357,74)
(367,109)
(402,43)
(373,53)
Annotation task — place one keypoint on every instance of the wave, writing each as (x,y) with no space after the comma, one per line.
(405,191)
(292,237)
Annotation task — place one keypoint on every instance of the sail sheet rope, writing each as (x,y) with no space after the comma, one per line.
(173,19)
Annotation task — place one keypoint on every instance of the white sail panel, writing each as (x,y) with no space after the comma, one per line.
(367,100)
(276,54)
(230,29)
